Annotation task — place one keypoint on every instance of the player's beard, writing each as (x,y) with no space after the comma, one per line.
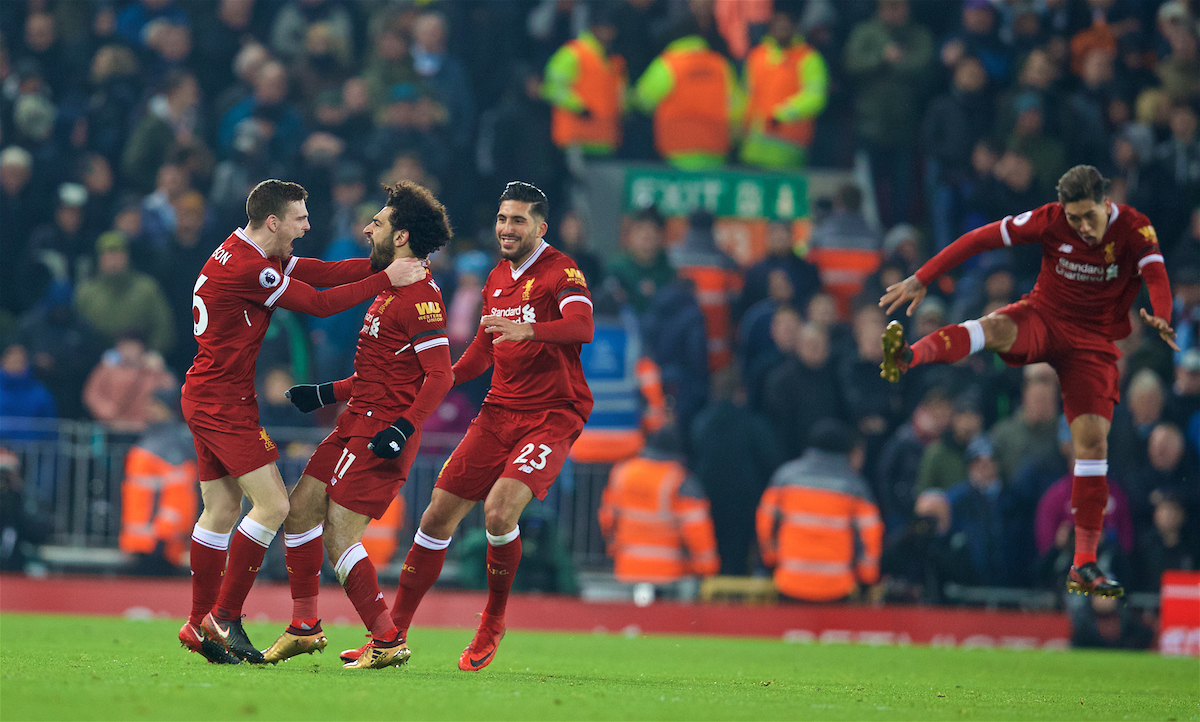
(382,256)
(527,244)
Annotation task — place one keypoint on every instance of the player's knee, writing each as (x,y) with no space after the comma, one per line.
(273,511)
(499,521)
(219,518)
(999,332)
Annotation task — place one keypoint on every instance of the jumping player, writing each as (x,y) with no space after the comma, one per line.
(401,373)
(1095,254)
(241,284)
(538,314)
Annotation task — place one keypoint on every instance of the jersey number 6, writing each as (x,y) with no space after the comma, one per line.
(201,322)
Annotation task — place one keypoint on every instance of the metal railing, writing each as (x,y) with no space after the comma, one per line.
(72,473)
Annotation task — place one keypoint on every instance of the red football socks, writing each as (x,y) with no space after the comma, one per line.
(208,552)
(362,586)
(502,563)
(945,345)
(1089,497)
(304,558)
(246,554)
(421,569)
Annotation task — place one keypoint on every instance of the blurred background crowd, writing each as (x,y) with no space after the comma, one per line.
(132,131)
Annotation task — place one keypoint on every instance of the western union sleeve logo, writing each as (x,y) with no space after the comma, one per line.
(429,311)
(576,276)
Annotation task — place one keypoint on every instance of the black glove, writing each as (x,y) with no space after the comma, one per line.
(584,114)
(389,443)
(310,397)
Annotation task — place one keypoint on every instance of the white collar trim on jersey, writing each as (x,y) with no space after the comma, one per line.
(516,272)
(1115,212)
(242,235)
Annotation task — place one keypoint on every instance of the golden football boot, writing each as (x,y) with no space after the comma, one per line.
(295,641)
(896,353)
(378,655)
(1088,579)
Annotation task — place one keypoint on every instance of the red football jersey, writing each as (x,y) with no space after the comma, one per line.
(401,323)
(1092,286)
(232,302)
(531,375)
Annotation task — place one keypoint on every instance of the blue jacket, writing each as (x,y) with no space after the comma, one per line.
(22,395)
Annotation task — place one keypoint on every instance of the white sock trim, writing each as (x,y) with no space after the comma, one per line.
(1091,467)
(499,541)
(260,534)
(429,542)
(211,539)
(975,329)
(304,537)
(346,562)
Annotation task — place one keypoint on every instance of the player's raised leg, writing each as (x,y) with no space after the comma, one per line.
(210,546)
(268,497)
(1089,497)
(994,332)
(302,534)
(501,510)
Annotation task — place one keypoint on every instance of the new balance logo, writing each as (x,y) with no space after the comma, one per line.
(1066,248)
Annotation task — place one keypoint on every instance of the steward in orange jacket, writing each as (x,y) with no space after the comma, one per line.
(817,524)
(585,85)
(160,492)
(655,517)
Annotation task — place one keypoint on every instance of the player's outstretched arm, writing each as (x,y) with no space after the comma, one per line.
(576,326)
(912,289)
(475,360)
(325,274)
(1163,326)
(1154,272)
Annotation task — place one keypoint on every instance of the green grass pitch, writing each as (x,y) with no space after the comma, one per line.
(77,668)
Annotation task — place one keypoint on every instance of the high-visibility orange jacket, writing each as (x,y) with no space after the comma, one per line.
(656,521)
(159,500)
(773,79)
(843,271)
(819,528)
(380,538)
(580,77)
(718,281)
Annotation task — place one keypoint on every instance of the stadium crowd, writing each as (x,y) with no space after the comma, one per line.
(134,129)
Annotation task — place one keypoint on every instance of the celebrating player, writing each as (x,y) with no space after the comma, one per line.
(539,313)
(1095,254)
(241,284)
(401,373)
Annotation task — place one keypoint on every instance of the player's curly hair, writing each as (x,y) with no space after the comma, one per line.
(424,217)
(1082,183)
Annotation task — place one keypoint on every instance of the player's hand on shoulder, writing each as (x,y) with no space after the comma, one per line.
(506,330)
(389,443)
(1160,324)
(405,271)
(897,294)
(310,397)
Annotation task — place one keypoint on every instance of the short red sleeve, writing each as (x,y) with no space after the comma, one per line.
(262,283)
(1027,227)
(570,287)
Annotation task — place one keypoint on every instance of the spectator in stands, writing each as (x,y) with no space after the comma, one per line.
(223,33)
(446,76)
(1186,251)
(585,84)
(673,337)
(918,564)
(159,499)
(1031,432)
(1169,542)
(873,405)
(115,89)
(1178,70)
(787,87)
(1054,535)
(96,176)
(1170,468)
(247,65)
(803,390)
(60,244)
(952,125)
(20,529)
(295,20)
(733,457)
(818,526)
(980,513)
(643,268)
(63,348)
(19,205)
(901,456)
(760,359)
(718,281)
(323,64)
(1145,400)
(944,462)
(573,235)
(158,211)
(135,18)
(22,395)
(1184,400)
(1176,172)
(120,389)
(184,256)
(1030,139)
(845,248)
(120,299)
(1104,622)
(695,98)
(278,121)
(781,255)
(388,64)
(471,269)
(274,407)
(171,120)
(655,518)
(887,57)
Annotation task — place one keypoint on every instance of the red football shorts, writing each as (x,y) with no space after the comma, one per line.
(229,441)
(527,445)
(1086,362)
(354,476)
